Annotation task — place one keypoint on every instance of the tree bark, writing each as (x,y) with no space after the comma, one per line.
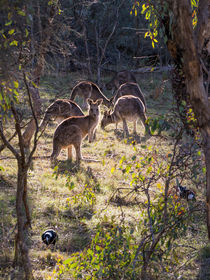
(20,238)
(185,51)
(45,35)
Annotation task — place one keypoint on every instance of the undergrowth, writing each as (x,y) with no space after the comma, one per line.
(118,216)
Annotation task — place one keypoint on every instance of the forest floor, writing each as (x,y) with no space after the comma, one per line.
(55,204)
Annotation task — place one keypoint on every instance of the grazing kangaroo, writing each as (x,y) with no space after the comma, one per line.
(86,90)
(127,108)
(119,79)
(60,109)
(72,130)
(130,89)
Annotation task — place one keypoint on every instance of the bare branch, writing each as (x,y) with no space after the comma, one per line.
(2,147)
(7,144)
(35,119)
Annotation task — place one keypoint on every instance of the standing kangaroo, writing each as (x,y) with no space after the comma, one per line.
(120,78)
(86,90)
(127,108)
(60,109)
(72,130)
(130,89)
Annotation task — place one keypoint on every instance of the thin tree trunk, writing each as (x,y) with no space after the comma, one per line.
(25,202)
(20,239)
(90,74)
(103,50)
(206,148)
(45,35)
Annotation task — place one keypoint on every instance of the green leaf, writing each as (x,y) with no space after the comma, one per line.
(11,31)
(16,84)
(1,168)
(22,13)
(148,15)
(26,30)
(14,43)
(193,3)
(67,261)
(146,34)
(34,84)
(71,186)
(8,23)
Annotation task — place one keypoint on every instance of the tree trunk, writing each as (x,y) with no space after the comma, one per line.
(45,35)
(184,49)
(20,238)
(87,51)
(206,138)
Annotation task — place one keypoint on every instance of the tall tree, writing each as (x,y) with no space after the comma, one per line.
(39,47)
(188,42)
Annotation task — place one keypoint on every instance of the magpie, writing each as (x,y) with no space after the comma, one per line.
(49,237)
(185,193)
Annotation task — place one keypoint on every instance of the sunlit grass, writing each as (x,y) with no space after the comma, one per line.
(52,201)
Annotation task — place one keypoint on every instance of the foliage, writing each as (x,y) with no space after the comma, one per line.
(155,13)
(108,257)
(82,196)
(118,251)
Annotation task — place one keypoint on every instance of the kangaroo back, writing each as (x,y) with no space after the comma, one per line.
(87,89)
(120,78)
(60,110)
(83,88)
(130,89)
(97,94)
(126,108)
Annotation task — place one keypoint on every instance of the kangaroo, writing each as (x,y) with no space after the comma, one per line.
(127,108)
(72,130)
(60,109)
(130,89)
(119,79)
(86,90)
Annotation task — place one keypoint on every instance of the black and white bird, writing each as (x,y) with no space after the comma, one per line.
(185,193)
(49,237)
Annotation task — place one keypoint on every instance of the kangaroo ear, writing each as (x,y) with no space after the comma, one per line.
(99,101)
(90,101)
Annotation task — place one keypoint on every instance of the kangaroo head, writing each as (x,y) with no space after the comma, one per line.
(106,119)
(94,107)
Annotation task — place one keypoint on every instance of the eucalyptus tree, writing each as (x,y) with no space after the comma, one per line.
(185,28)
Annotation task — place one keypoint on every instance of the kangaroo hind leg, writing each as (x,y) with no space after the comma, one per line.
(125,128)
(70,152)
(77,147)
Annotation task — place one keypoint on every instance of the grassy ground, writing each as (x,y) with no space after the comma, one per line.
(52,201)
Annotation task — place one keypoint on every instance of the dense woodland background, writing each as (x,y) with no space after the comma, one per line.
(118,215)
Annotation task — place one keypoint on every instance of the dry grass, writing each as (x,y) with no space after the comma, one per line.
(51,200)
